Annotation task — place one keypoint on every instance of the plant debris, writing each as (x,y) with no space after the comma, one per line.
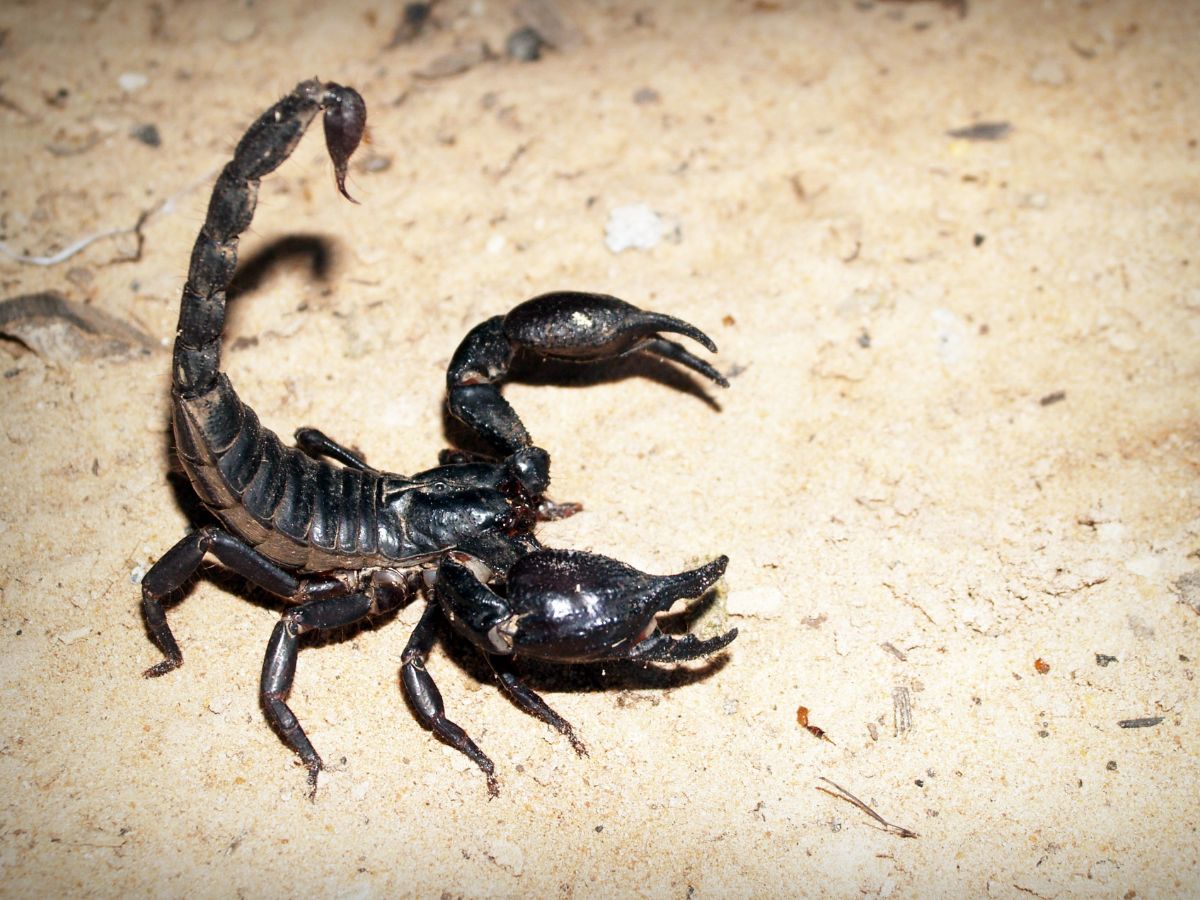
(1146,722)
(819,733)
(63,330)
(851,799)
(982,131)
(901,710)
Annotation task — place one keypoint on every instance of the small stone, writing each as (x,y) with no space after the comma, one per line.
(132,81)
(147,134)
(524,45)
(759,603)
(80,276)
(375,162)
(635,227)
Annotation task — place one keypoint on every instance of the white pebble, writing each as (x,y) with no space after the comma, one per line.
(132,81)
(637,226)
(757,602)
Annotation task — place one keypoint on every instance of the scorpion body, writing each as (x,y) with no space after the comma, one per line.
(340,541)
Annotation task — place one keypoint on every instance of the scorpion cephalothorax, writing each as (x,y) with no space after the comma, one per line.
(339,540)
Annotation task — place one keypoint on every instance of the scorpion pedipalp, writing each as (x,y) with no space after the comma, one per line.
(565,325)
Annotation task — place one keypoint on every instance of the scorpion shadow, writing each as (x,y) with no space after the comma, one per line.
(252,272)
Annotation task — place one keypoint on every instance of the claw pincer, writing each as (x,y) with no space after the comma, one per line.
(339,541)
(568,606)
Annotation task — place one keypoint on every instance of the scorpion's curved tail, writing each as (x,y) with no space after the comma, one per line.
(266,144)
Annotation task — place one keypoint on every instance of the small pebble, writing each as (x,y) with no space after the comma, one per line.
(80,276)
(147,134)
(982,131)
(633,227)
(132,81)
(524,45)
(755,602)
(375,163)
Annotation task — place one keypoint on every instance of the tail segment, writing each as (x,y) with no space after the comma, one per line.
(267,143)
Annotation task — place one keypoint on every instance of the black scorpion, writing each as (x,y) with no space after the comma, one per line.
(340,543)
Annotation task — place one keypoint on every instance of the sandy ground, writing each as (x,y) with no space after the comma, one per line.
(956,472)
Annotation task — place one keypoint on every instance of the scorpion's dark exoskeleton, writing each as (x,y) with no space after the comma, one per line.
(342,542)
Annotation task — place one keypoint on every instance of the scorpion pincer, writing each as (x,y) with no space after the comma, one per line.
(340,541)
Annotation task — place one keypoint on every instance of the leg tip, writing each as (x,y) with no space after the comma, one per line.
(314,770)
(159,669)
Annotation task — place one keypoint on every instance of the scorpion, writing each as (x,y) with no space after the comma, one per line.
(340,541)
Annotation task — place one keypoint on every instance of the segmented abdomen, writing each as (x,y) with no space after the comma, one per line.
(303,513)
